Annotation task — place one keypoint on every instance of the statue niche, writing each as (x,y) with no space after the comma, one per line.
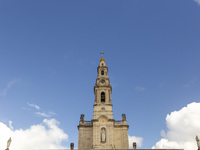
(103,135)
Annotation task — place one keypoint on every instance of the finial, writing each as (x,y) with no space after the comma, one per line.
(124,117)
(102,59)
(72,146)
(82,118)
(134,145)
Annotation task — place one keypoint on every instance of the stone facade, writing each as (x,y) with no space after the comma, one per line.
(103,132)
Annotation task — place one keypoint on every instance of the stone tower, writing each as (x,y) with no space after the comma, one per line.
(103,132)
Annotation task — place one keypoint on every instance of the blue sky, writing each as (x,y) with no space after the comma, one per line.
(50,50)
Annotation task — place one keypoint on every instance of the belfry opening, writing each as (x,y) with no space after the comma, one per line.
(102,97)
(102,72)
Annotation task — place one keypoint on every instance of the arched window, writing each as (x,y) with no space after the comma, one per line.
(103,97)
(102,72)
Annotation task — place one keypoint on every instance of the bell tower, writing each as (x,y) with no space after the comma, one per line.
(102,91)
(103,132)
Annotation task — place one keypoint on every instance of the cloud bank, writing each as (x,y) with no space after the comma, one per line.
(132,139)
(183,126)
(198,1)
(46,135)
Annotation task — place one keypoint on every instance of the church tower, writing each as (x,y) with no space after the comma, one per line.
(103,132)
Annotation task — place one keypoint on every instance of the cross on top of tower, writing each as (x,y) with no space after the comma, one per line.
(102,53)
(102,59)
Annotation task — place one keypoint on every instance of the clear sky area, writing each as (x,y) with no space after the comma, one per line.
(49,54)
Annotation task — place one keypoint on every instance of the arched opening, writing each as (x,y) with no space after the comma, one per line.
(102,72)
(103,97)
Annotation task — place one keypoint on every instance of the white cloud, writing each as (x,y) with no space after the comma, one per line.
(46,135)
(42,114)
(51,113)
(198,1)
(34,106)
(8,86)
(137,88)
(183,126)
(45,114)
(132,139)
(10,125)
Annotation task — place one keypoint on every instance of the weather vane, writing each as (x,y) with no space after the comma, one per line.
(102,53)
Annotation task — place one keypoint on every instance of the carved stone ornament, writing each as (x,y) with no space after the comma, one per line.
(8,143)
(82,118)
(72,146)
(124,117)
